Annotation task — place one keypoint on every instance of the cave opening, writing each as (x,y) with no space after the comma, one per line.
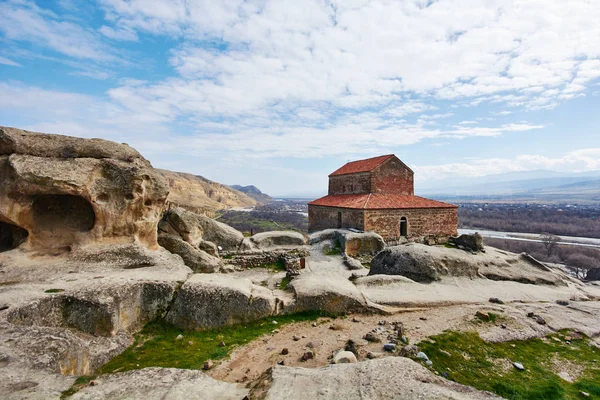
(62,212)
(11,236)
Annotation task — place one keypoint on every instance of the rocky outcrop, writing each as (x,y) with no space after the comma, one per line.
(426,264)
(195,229)
(65,192)
(209,301)
(195,258)
(102,311)
(472,242)
(278,239)
(160,383)
(374,379)
(327,292)
(352,243)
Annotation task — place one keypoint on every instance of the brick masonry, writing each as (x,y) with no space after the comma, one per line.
(320,218)
(352,183)
(421,222)
(392,177)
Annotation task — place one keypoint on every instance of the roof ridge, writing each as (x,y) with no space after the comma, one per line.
(367,201)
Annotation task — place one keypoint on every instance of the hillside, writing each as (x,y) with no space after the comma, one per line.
(254,192)
(198,194)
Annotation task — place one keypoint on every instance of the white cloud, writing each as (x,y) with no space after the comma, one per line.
(6,61)
(315,51)
(574,161)
(25,21)
(118,34)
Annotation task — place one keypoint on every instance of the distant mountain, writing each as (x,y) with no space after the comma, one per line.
(198,194)
(547,186)
(254,192)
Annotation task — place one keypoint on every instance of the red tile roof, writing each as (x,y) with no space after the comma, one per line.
(361,165)
(375,201)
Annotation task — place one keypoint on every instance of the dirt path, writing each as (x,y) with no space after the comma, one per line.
(329,335)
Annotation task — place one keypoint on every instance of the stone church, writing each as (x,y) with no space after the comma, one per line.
(377,194)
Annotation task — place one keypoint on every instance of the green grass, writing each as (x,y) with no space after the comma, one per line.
(157,346)
(285,282)
(332,251)
(538,381)
(276,266)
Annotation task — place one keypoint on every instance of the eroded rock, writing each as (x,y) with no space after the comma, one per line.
(278,239)
(373,379)
(198,260)
(195,228)
(160,383)
(330,293)
(214,300)
(67,192)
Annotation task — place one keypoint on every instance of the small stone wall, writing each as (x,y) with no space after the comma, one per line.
(291,259)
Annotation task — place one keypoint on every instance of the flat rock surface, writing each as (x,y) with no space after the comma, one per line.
(387,378)
(160,384)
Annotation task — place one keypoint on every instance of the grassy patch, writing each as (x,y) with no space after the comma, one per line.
(488,366)
(276,266)
(285,282)
(157,345)
(332,251)
(54,291)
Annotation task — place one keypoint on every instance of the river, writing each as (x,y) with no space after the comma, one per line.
(533,237)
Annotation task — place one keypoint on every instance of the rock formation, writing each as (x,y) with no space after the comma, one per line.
(472,242)
(423,263)
(60,192)
(351,243)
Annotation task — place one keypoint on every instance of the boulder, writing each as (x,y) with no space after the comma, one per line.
(103,310)
(278,239)
(328,292)
(352,263)
(472,242)
(353,243)
(195,228)
(426,264)
(198,260)
(372,379)
(344,357)
(61,192)
(160,383)
(421,263)
(210,301)
(362,243)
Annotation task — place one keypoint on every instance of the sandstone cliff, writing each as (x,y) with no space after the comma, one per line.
(200,195)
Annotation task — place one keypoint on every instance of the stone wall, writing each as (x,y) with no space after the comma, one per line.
(392,177)
(320,218)
(351,183)
(421,222)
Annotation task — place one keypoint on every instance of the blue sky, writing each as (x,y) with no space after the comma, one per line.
(281,93)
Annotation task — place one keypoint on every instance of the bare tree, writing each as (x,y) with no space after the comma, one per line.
(550,242)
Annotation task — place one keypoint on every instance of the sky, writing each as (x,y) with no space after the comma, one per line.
(280,93)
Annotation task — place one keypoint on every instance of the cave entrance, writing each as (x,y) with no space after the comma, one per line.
(11,236)
(62,212)
(403,227)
